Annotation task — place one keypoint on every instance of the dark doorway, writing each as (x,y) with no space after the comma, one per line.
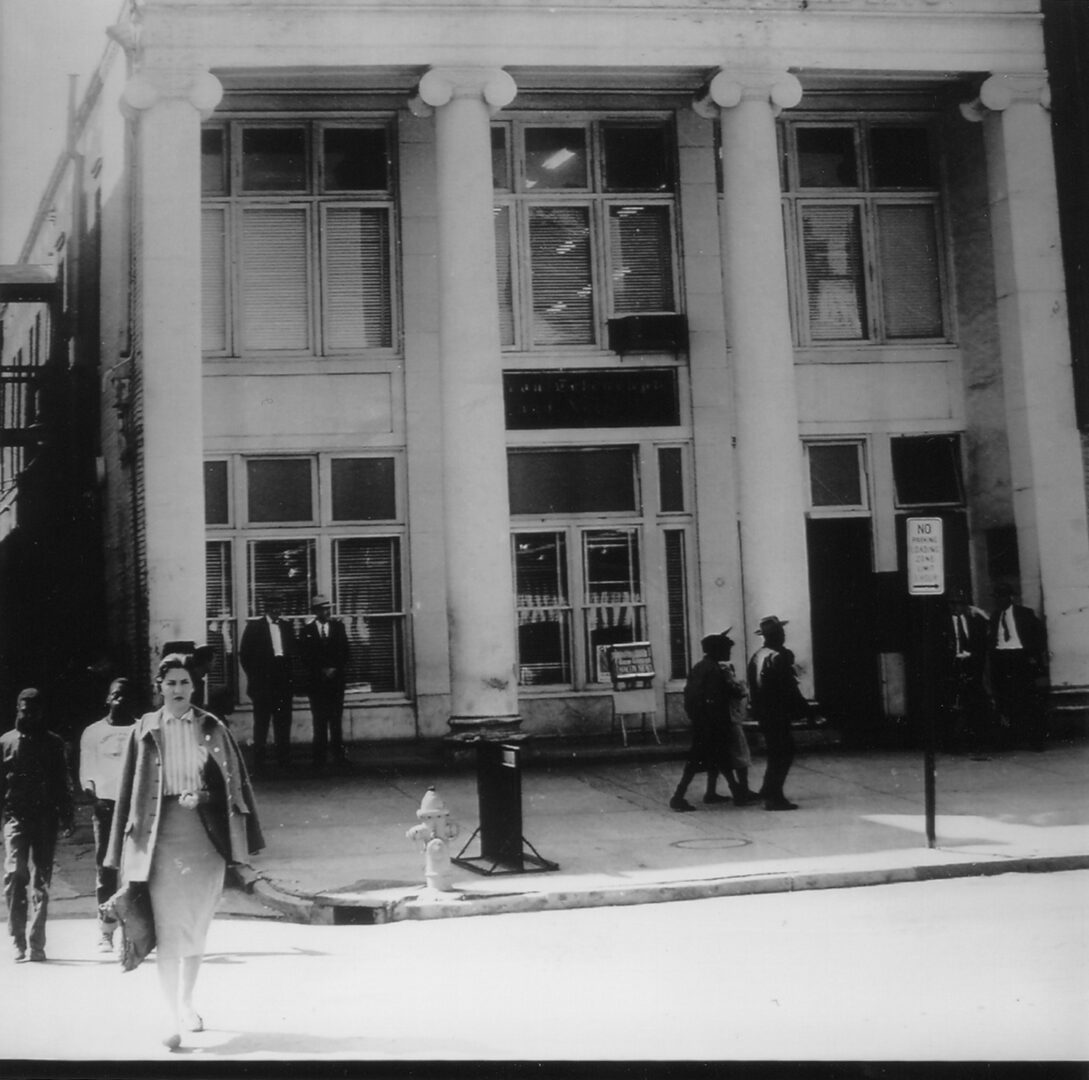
(845,661)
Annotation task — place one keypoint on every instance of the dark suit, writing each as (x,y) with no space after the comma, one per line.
(967,705)
(268,683)
(326,659)
(776,702)
(1014,672)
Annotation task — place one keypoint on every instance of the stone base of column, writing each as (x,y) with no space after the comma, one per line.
(459,743)
(474,728)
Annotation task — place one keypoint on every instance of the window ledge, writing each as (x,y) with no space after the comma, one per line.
(929,353)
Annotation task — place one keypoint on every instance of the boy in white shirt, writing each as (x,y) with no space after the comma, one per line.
(101,750)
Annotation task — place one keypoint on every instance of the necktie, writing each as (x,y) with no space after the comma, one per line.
(324,630)
(958,631)
(1006,625)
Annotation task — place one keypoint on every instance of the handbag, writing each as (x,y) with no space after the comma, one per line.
(130,907)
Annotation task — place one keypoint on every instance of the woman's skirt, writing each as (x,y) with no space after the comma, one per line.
(185,882)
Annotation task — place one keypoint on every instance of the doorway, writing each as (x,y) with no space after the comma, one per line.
(842,603)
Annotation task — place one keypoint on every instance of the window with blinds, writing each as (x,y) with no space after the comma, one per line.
(613,610)
(676,569)
(297,238)
(282,572)
(544,608)
(561,275)
(585,227)
(368,599)
(862,210)
(221,626)
(299,525)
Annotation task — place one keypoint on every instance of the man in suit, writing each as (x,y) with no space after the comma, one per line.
(968,706)
(266,649)
(1018,653)
(323,645)
(776,702)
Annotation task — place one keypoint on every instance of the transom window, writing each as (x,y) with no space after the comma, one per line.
(837,476)
(287,527)
(862,212)
(926,470)
(296,242)
(585,227)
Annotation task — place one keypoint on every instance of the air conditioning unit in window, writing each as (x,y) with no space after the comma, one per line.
(648,333)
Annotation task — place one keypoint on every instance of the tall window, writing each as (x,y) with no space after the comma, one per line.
(287,527)
(584,227)
(297,237)
(580,582)
(862,209)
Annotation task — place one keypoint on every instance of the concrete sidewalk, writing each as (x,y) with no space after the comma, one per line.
(337,851)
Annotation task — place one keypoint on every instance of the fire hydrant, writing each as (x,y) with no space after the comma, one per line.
(434,830)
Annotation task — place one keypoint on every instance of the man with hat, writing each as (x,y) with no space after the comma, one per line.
(713,701)
(776,703)
(323,644)
(35,800)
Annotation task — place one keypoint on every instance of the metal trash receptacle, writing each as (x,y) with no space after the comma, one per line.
(499,793)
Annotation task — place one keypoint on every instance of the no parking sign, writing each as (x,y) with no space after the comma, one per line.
(925,557)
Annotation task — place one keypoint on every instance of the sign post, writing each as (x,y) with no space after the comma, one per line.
(926,581)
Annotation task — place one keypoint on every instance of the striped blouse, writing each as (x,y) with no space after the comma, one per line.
(183,755)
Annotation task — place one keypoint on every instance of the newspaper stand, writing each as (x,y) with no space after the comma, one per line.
(499,790)
(631,669)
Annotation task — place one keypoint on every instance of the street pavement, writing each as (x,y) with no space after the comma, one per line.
(337,850)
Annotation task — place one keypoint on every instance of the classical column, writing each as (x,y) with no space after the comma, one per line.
(1046,469)
(771,500)
(479,583)
(167,107)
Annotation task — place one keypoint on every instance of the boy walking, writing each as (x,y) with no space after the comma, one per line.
(101,750)
(35,801)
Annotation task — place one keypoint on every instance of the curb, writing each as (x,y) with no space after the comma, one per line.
(362,909)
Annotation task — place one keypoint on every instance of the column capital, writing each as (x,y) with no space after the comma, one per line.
(1000,91)
(197,86)
(728,88)
(441,85)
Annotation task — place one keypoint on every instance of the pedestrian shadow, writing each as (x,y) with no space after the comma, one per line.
(305,1044)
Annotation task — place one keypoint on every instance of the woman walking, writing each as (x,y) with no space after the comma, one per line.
(185,809)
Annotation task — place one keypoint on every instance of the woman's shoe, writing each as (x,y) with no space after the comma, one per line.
(192,1020)
(172,1041)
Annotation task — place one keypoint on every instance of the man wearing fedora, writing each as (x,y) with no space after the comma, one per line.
(776,703)
(323,643)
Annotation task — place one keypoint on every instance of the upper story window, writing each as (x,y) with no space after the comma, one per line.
(297,237)
(863,223)
(585,227)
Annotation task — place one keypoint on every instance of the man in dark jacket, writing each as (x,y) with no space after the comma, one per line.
(323,645)
(776,703)
(709,693)
(266,649)
(36,801)
(968,706)
(1018,659)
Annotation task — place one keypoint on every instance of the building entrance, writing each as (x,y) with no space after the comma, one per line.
(842,603)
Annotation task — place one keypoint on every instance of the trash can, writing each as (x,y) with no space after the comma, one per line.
(499,793)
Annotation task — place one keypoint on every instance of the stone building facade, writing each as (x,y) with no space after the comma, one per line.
(523,331)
